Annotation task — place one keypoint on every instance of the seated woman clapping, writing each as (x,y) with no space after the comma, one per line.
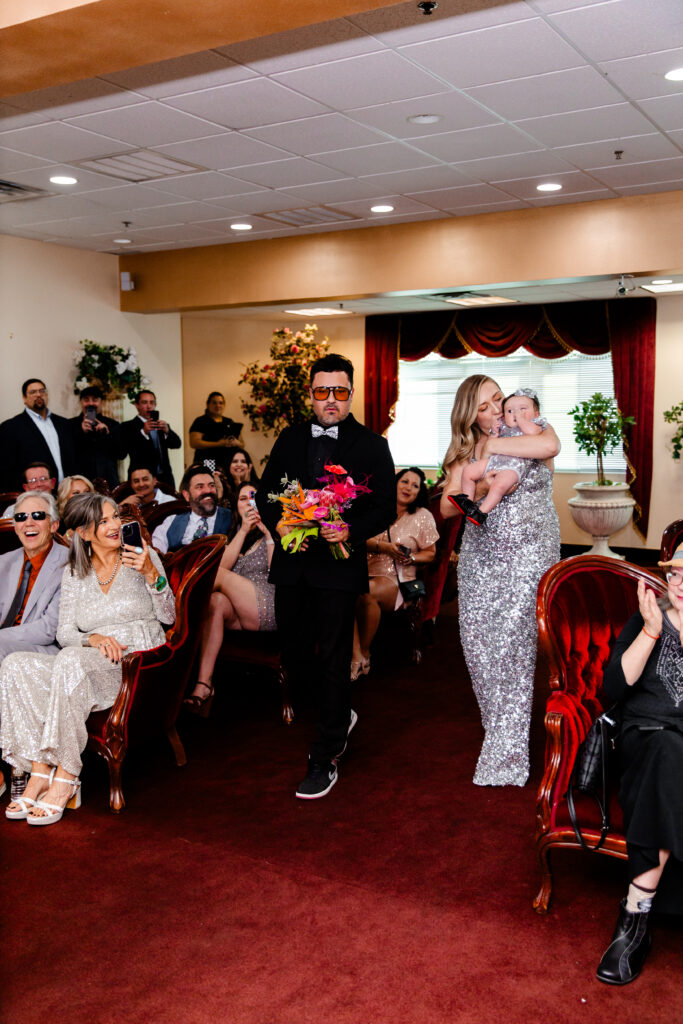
(114,600)
(392,558)
(242,598)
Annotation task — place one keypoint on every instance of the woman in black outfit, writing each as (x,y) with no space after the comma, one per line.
(213,436)
(645,674)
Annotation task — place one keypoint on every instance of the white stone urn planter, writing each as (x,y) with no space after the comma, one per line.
(601,510)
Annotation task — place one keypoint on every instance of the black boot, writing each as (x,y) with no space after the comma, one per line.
(468,508)
(624,958)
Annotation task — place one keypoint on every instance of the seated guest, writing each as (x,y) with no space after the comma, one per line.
(392,557)
(36,433)
(213,435)
(242,598)
(145,487)
(97,439)
(113,600)
(147,438)
(70,485)
(36,479)
(240,469)
(198,488)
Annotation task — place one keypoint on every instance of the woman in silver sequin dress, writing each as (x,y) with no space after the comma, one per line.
(113,601)
(498,574)
(242,599)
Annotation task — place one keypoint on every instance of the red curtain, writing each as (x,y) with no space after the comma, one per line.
(626,327)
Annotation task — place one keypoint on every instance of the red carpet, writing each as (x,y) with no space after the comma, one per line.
(403,896)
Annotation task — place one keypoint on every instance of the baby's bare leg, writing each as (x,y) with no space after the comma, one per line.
(471,474)
(503,482)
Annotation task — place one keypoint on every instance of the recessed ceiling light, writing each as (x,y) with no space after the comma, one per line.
(549,186)
(476,299)
(675,75)
(63,179)
(241,227)
(662,289)
(425,118)
(322,311)
(662,280)
(121,241)
(382,208)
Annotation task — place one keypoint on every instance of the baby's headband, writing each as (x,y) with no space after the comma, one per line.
(526,393)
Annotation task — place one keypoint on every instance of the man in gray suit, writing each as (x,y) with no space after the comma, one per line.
(30,584)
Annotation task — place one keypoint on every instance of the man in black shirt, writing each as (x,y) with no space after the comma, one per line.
(97,439)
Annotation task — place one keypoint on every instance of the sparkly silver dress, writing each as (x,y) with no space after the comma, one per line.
(254,567)
(44,700)
(498,572)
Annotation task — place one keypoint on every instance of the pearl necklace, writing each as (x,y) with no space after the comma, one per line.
(104,583)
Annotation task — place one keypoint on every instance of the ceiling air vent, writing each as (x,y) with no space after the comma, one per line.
(310,215)
(139,165)
(11,190)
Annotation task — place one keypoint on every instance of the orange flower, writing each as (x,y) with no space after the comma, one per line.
(337,470)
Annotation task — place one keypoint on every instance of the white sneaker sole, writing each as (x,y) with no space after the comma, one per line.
(352,725)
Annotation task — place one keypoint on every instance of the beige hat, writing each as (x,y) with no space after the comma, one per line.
(676,560)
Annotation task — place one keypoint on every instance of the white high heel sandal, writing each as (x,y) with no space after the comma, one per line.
(56,812)
(25,801)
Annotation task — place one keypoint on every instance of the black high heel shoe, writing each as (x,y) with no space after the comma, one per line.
(200,705)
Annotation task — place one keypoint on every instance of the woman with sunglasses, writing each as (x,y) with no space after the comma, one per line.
(645,675)
(114,600)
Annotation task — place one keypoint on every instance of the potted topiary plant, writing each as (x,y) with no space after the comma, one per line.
(602,506)
(675,415)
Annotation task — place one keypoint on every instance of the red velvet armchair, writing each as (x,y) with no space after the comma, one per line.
(672,538)
(154,682)
(582,605)
(434,574)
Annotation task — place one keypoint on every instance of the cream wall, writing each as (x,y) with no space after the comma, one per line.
(50,297)
(216,350)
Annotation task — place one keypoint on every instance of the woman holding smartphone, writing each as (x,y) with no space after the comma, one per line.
(114,599)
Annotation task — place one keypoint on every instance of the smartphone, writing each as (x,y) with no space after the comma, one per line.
(130,534)
(90,413)
(404,549)
(154,415)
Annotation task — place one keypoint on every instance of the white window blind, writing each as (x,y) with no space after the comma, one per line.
(421,432)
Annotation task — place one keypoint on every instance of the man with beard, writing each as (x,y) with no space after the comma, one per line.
(204,518)
(35,435)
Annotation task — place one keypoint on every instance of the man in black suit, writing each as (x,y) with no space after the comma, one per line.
(147,438)
(97,439)
(35,435)
(315,595)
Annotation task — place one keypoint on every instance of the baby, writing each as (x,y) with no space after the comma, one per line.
(521,414)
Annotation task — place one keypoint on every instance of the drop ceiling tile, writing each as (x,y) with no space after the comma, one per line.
(285,173)
(398,25)
(320,134)
(580,197)
(126,198)
(559,91)
(496,54)
(363,81)
(302,47)
(639,190)
(418,180)
(333,191)
(173,233)
(40,178)
(455,110)
(636,148)
(389,156)
(204,185)
(572,183)
(12,162)
(59,142)
(666,112)
(580,126)
(147,124)
(465,195)
(477,208)
(248,104)
(12,117)
(174,213)
(181,75)
(265,201)
(476,143)
(37,211)
(554,6)
(617,175)
(516,165)
(221,152)
(85,97)
(643,77)
(222,225)
(610,31)
(402,206)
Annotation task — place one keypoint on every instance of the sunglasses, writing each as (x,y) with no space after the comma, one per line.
(21,517)
(341,394)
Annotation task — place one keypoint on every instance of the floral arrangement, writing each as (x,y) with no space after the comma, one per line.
(675,415)
(306,510)
(278,390)
(112,368)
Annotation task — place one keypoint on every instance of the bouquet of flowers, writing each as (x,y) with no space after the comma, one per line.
(305,511)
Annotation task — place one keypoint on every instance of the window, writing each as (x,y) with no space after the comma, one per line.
(421,433)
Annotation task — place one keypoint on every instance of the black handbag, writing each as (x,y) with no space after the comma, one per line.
(593,769)
(411,590)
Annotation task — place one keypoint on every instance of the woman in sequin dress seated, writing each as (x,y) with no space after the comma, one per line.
(498,573)
(113,600)
(242,598)
(645,675)
(409,542)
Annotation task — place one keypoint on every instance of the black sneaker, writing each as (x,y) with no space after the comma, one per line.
(320,778)
(352,723)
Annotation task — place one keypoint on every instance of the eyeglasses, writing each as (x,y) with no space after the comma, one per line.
(674,576)
(341,394)
(21,517)
(40,391)
(38,480)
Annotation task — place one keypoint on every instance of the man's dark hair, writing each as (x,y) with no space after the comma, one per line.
(145,391)
(190,473)
(333,363)
(92,391)
(136,467)
(27,383)
(37,465)
(422,496)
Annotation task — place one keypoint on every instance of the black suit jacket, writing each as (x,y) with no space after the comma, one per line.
(143,451)
(363,454)
(97,453)
(22,443)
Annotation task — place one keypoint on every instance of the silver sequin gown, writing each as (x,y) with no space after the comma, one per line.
(498,573)
(44,700)
(254,567)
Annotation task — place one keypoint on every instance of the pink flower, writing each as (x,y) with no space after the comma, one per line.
(321,513)
(294,348)
(286,330)
(262,409)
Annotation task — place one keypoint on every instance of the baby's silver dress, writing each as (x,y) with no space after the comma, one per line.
(253,566)
(44,700)
(518,465)
(498,573)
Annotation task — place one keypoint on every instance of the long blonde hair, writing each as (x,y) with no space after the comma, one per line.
(465,431)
